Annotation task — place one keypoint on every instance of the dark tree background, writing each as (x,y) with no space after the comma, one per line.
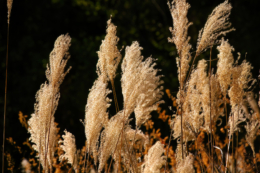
(35,25)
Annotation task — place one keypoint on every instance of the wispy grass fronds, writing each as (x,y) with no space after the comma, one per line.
(9,8)
(59,57)
(216,25)
(179,10)
(130,76)
(109,55)
(203,87)
(154,160)
(179,155)
(186,165)
(192,104)
(150,91)
(251,129)
(241,79)
(138,137)
(41,124)
(125,154)
(237,117)
(109,139)
(68,145)
(188,134)
(250,97)
(225,65)
(96,114)
(140,84)
(217,102)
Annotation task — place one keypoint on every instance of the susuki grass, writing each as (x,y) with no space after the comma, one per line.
(215,112)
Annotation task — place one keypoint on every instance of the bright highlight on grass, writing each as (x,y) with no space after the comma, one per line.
(211,107)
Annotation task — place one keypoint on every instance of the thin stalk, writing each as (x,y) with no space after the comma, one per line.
(114,94)
(134,140)
(226,107)
(228,152)
(87,163)
(129,153)
(191,68)
(181,111)
(114,151)
(119,166)
(39,167)
(6,74)
(131,161)
(48,135)
(236,151)
(117,143)
(118,137)
(212,152)
(233,145)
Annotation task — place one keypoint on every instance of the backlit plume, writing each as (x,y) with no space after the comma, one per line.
(96,114)
(41,125)
(9,8)
(68,145)
(179,10)
(216,25)
(154,160)
(109,55)
(140,84)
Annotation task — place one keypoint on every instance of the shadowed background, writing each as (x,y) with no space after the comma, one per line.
(35,25)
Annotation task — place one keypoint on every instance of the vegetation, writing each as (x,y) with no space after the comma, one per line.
(210,121)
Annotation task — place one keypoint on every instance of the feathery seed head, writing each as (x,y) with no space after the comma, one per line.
(109,138)
(251,129)
(109,55)
(216,25)
(225,65)
(140,84)
(154,160)
(130,79)
(149,91)
(237,117)
(96,114)
(68,145)
(9,8)
(58,60)
(41,125)
(186,165)
(179,10)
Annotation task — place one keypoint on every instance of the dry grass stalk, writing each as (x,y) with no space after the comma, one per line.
(179,10)
(69,147)
(41,124)
(9,8)
(154,160)
(109,139)
(130,77)
(140,84)
(96,114)
(216,25)
(225,64)
(186,165)
(198,103)
(109,55)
